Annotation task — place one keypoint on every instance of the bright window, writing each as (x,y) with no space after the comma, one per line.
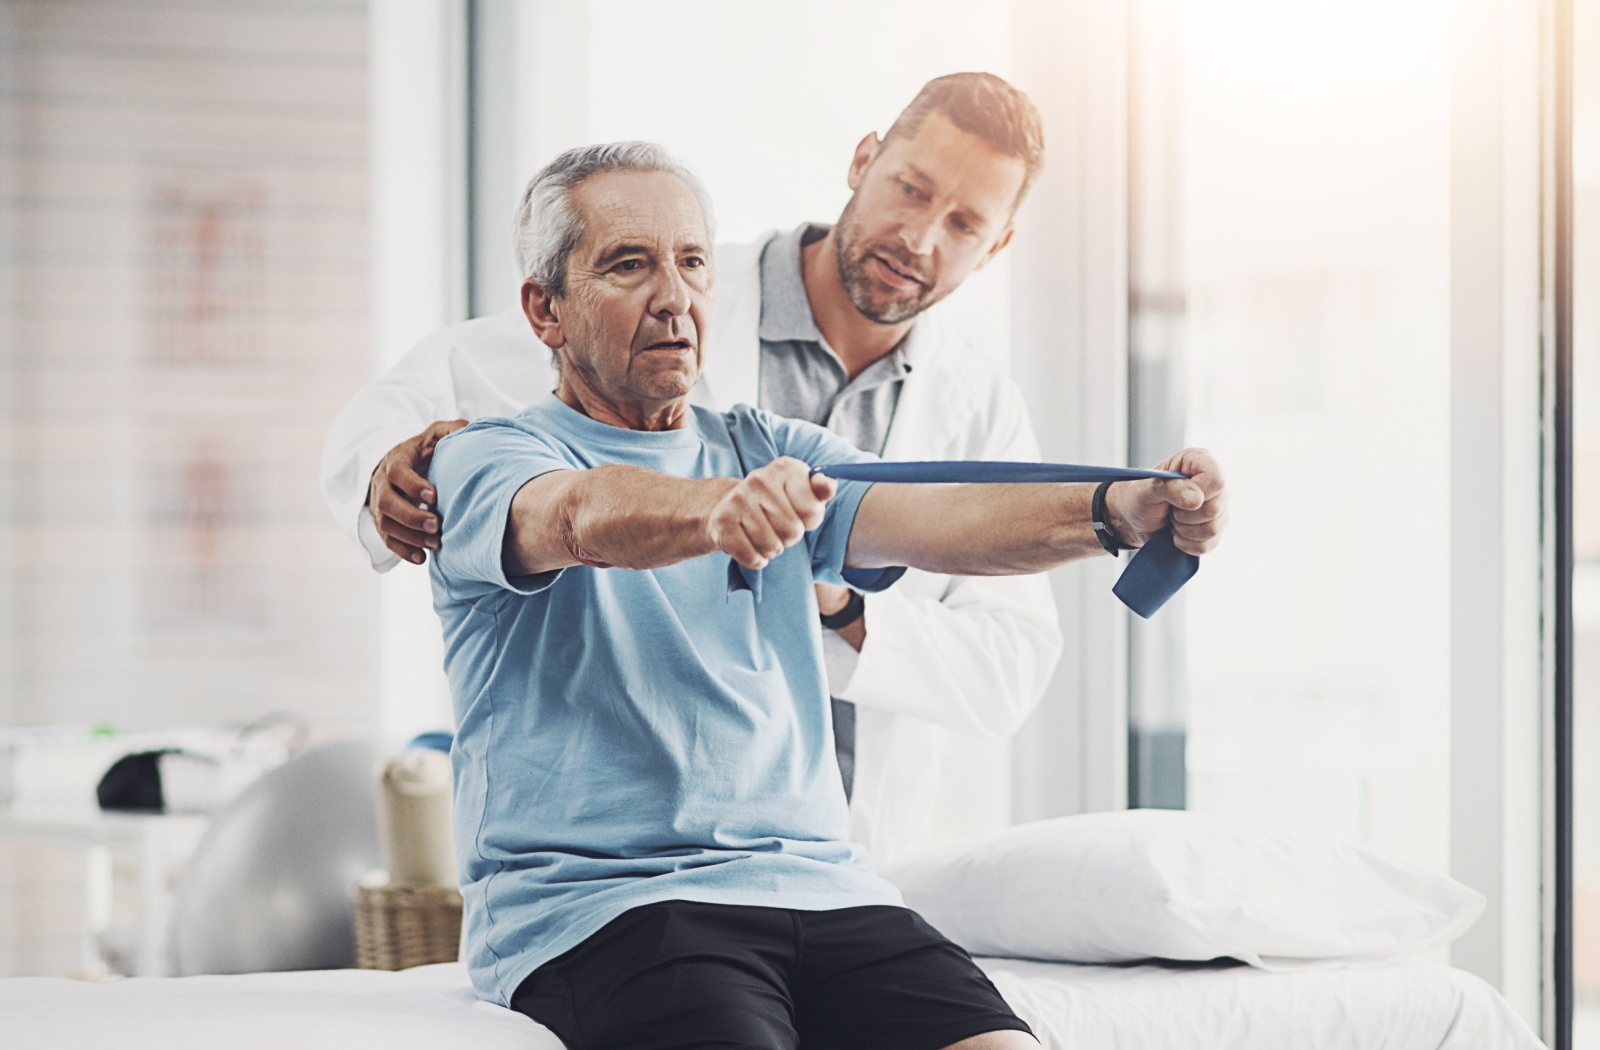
(1297,190)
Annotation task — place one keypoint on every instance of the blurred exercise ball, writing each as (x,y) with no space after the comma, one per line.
(272,884)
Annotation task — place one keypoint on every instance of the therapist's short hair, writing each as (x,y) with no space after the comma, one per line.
(548,227)
(984,105)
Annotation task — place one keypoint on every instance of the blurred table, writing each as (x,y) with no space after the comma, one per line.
(157,842)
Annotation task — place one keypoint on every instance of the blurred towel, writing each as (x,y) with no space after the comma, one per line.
(414,817)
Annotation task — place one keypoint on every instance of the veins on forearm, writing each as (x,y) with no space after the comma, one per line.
(567,528)
(985,530)
(632,518)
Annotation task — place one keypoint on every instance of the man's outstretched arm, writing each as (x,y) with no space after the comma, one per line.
(1001,530)
(633,518)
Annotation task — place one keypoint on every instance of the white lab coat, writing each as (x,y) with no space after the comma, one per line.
(969,654)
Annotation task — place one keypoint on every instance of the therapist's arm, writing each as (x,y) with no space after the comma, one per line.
(631,518)
(366,443)
(1001,530)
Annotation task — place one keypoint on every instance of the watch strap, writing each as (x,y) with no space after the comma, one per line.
(854,607)
(1101,520)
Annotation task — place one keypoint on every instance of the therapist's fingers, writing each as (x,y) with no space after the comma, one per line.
(442,429)
(390,504)
(410,537)
(413,478)
(411,552)
(398,487)
(406,552)
(406,465)
(406,543)
(406,475)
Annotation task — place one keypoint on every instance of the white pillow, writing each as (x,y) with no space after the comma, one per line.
(1143,884)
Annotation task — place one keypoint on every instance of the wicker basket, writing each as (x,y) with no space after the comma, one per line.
(398,927)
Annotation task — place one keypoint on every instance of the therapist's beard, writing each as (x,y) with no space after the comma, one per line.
(867,294)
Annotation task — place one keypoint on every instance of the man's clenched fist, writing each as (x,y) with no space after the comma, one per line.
(1196,507)
(399,494)
(769,511)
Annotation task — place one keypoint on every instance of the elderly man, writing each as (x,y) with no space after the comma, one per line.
(831,325)
(650,823)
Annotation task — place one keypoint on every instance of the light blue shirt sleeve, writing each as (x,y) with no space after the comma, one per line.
(477,472)
(818,447)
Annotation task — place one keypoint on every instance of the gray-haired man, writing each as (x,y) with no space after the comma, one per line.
(650,826)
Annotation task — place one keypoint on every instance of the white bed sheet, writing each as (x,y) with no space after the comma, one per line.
(1402,1007)
(1410,1006)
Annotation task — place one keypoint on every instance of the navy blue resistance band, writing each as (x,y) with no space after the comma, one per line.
(1155,573)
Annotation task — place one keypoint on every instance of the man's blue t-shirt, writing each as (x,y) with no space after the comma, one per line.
(623,736)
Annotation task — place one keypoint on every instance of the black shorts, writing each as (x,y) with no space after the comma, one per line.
(680,974)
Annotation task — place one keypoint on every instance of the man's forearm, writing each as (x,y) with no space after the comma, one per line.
(611,516)
(973,530)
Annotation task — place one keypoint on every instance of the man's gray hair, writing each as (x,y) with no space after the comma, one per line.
(548,226)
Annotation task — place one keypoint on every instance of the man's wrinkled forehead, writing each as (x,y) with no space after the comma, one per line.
(629,212)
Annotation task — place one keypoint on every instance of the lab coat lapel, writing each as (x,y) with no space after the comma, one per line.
(925,416)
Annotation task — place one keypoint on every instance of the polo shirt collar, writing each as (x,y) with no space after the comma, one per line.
(785,310)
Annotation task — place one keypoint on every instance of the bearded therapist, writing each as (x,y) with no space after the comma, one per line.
(831,325)
(650,825)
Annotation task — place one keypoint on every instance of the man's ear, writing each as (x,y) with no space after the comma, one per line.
(866,149)
(999,244)
(540,308)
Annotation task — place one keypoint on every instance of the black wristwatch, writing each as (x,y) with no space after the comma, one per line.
(854,606)
(1102,523)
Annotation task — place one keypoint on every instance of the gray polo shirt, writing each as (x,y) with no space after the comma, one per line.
(800,375)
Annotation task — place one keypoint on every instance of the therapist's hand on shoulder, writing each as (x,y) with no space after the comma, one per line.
(1197,508)
(769,511)
(399,494)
